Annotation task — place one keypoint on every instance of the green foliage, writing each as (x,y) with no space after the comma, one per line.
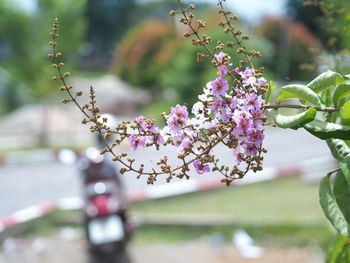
(328,22)
(331,208)
(340,251)
(345,168)
(154,55)
(296,121)
(26,36)
(291,42)
(332,90)
(341,91)
(193,74)
(298,91)
(269,92)
(340,150)
(326,130)
(337,250)
(141,56)
(345,111)
(326,80)
(342,195)
(107,21)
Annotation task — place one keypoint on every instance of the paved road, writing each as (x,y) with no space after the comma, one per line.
(25,185)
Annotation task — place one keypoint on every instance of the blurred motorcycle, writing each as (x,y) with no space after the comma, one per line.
(105,219)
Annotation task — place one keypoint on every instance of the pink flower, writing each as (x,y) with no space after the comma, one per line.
(238,156)
(145,126)
(216,104)
(252,101)
(180,112)
(183,141)
(236,70)
(157,139)
(250,150)
(220,86)
(256,137)
(248,78)
(220,56)
(222,71)
(137,141)
(261,81)
(244,125)
(139,119)
(201,168)
(178,116)
(233,103)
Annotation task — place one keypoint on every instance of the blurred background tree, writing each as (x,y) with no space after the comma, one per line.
(291,41)
(330,21)
(138,42)
(23,49)
(107,21)
(23,59)
(155,56)
(325,19)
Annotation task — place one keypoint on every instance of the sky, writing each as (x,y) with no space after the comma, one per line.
(249,10)
(254,10)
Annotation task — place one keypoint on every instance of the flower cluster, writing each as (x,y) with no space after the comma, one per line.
(229,113)
(232,116)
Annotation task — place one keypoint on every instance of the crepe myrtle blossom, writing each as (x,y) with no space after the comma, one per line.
(256,137)
(216,104)
(244,125)
(222,68)
(137,141)
(179,115)
(198,110)
(237,111)
(238,156)
(183,141)
(157,139)
(200,167)
(145,126)
(252,102)
(262,81)
(219,86)
(250,149)
(207,93)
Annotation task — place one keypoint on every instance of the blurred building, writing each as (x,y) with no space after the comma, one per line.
(60,125)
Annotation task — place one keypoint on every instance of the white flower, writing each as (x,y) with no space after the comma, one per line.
(167,133)
(198,109)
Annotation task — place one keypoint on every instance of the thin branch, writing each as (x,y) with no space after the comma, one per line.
(293,106)
(332,172)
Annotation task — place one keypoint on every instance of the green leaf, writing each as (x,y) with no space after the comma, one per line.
(299,91)
(345,111)
(347,24)
(343,256)
(340,150)
(341,91)
(347,79)
(296,121)
(336,249)
(269,91)
(325,130)
(345,168)
(342,194)
(326,80)
(331,209)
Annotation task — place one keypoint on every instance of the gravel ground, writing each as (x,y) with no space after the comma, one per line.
(58,250)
